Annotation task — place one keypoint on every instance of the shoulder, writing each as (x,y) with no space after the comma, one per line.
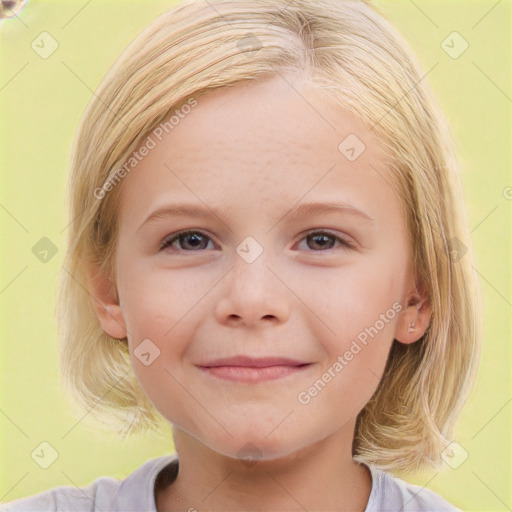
(81,499)
(391,494)
(106,494)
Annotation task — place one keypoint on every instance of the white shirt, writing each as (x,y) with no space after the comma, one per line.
(135,493)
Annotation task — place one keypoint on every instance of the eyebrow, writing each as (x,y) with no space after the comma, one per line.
(302,210)
(305,209)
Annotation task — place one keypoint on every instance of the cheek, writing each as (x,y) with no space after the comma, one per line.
(368,309)
(160,308)
(155,312)
(348,300)
(154,300)
(361,309)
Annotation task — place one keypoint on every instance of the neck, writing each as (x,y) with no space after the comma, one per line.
(320,476)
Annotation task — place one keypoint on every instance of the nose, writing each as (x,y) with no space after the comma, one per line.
(253,294)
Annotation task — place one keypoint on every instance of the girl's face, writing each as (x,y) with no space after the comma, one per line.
(266,327)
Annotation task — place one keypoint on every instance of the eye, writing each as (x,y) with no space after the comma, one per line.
(193,241)
(323,240)
(186,241)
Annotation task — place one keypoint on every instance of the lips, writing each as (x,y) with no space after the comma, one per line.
(252,362)
(249,369)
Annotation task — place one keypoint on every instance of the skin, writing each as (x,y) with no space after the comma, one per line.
(251,154)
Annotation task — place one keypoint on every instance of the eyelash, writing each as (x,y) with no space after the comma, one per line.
(168,241)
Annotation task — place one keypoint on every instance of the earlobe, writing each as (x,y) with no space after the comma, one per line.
(413,321)
(105,302)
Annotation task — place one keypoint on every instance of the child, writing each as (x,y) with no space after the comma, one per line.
(322,329)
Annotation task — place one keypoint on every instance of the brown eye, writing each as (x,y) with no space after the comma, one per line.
(322,241)
(187,241)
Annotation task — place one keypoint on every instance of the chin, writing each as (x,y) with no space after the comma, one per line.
(252,446)
(252,438)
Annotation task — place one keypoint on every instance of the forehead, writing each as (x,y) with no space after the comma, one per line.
(262,145)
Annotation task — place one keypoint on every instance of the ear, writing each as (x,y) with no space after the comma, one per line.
(105,302)
(414,319)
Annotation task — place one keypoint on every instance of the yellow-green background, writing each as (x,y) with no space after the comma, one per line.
(40,104)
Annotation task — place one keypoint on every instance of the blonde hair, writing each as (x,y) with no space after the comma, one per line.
(349,53)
